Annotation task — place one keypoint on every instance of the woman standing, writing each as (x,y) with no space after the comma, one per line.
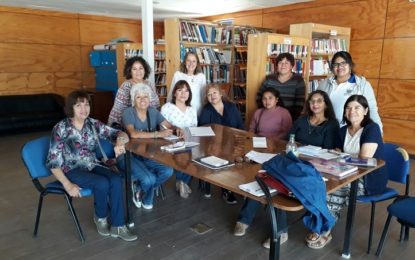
(360,137)
(218,110)
(345,83)
(272,119)
(136,70)
(290,85)
(142,121)
(72,160)
(181,114)
(191,71)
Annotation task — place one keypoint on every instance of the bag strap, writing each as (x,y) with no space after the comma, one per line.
(104,155)
(259,120)
(148,121)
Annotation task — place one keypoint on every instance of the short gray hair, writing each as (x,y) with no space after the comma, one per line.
(142,90)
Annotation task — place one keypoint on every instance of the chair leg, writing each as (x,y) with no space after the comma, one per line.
(39,210)
(384,233)
(161,191)
(75,218)
(406,233)
(372,220)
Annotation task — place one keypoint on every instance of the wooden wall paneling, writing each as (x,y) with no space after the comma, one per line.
(41,81)
(39,58)
(88,79)
(367,55)
(398,59)
(375,85)
(68,80)
(396,99)
(366,18)
(25,83)
(37,12)
(28,28)
(158,30)
(400,132)
(99,32)
(85,66)
(251,20)
(233,15)
(400,19)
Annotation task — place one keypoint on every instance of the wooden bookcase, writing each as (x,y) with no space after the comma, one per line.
(262,50)
(128,50)
(325,41)
(226,42)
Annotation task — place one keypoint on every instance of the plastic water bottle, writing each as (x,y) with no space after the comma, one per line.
(292,146)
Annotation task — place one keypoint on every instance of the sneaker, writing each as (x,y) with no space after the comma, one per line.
(136,196)
(283,239)
(149,206)
(182,190)
(207,194)
(123,232)
(240,229)
(102,226)
(229,197)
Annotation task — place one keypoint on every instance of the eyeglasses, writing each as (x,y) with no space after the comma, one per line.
(340,64)
(316,101)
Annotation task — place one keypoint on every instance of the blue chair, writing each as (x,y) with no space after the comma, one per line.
(404,210)
(34,155)
(398,166)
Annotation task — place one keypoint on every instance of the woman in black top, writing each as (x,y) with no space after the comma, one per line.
(318,126)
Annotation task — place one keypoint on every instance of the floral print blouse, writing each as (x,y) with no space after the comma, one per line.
(71,148)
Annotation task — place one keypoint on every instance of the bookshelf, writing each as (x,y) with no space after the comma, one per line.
(128,50)
(325,41)
(221,49)
(262,51)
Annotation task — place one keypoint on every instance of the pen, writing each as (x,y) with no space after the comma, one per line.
(164,127)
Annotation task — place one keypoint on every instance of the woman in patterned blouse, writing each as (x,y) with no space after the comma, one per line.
(73,162)
(180,114)
(136,70)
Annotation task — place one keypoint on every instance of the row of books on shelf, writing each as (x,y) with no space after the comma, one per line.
(160,66)
(216,74)
(313,85)
(298,51)
(204,33)
(271,67)
(319,67)
(239,93)
(240,56)
(240,34)
(209,55)
(159,54)
(328,46)
(162,91)
(239,75)
(160,79)
(128,53)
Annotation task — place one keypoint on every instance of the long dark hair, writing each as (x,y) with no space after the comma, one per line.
(363,102)
(179,85)
(328,111)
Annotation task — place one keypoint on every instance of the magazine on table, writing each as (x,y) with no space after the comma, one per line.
(333,167)
(366,162)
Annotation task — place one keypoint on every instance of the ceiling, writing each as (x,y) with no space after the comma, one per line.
(162,8)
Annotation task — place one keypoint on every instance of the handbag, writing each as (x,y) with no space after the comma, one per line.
(108,163)
(274,183)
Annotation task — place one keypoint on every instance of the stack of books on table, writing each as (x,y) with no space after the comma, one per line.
(333,167)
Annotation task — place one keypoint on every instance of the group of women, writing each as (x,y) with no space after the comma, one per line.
(191,102)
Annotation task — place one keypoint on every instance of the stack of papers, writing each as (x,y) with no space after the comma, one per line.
(254,189)
(259,142)
(318,152)
(178,146)
(259,157)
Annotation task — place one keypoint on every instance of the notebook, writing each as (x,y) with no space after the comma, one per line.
(213,162)
(334,168)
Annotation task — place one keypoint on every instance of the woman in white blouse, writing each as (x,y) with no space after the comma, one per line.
(179,113)
(191,71)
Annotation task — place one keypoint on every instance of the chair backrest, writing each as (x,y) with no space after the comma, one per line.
(397,163)
(34,155)
(108,148)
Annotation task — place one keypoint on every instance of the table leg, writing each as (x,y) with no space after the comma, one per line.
(350,219)
(128,191)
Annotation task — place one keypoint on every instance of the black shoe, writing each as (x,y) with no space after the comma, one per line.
(229,197)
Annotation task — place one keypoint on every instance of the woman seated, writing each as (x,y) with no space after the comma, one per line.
(142,121)
(72,160)
(179,113)
(317,127)
(360,137)
(218,110)
(272,119)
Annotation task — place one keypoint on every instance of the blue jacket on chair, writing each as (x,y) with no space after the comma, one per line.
(306,184)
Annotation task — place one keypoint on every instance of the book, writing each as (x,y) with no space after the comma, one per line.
(334,168)
(178,146)
(213,162)
(201,131)
(366,162)
(254,189)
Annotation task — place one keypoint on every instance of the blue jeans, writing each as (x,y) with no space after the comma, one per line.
(181,176)
(150,174)
(249,210)
(106,186)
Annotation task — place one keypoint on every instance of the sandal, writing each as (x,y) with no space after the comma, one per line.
(321,242)
(312,237)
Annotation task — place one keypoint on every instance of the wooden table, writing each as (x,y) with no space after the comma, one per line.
(229,143)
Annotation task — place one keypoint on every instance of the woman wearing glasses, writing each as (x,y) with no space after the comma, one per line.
(346,83)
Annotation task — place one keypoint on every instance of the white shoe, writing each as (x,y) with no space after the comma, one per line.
(283,239)
(136,195)
(240,229)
